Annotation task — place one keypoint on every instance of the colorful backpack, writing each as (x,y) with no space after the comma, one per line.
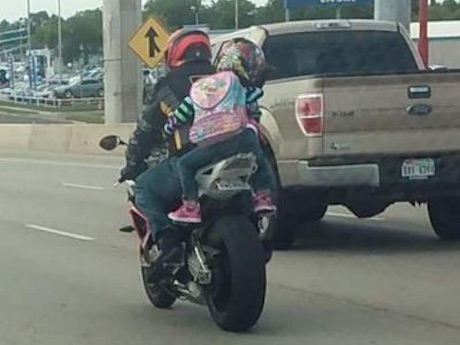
(219,102)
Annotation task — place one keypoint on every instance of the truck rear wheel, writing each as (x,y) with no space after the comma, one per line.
(295,209)
(284,232)
(314,212)
(444,216)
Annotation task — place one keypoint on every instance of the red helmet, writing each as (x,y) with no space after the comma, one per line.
(186,45)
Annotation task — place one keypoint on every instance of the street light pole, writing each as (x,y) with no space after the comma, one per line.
(195,11)
(29,43)
(237,15)
(60,41)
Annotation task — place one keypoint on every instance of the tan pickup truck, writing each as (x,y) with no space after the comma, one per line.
(352,118)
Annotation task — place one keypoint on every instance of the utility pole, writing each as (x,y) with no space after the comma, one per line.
(423,46)
(338,12)
(60,41)
(394,10)
(123,80)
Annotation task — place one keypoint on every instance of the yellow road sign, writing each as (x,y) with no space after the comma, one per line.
(150,41)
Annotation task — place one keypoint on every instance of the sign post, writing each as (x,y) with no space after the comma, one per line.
(11,72)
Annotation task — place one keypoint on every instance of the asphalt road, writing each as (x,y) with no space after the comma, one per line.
(68,277)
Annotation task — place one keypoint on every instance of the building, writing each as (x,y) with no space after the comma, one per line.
(444,42)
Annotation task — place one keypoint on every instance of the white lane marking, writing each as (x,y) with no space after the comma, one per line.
(60,233)
(81,186)
(69,164)
(351,216)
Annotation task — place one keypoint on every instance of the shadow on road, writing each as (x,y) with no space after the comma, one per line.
(360,236)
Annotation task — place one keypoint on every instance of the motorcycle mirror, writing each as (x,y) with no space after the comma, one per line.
(111,142)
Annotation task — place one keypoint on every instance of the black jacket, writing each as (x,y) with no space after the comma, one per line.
(166,97)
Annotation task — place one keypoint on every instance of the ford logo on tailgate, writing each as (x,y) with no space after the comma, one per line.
(420,110)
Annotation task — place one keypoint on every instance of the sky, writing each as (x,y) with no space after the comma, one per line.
(69,7)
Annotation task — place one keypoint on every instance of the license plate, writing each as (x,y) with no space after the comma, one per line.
(418,168)
(232,185)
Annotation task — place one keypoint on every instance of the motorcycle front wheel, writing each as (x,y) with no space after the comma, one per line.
(157,295)
(236,295)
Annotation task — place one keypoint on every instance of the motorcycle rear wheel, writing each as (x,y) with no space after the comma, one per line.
(236,296)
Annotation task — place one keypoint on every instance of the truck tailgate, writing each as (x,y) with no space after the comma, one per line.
(392,114)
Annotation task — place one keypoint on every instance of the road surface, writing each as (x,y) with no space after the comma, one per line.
(68,277)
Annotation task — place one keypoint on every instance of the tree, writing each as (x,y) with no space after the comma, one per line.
(38,20)
(83,35)
(223,14)
(4,26)
(174,13)
(271,13)
(47,34)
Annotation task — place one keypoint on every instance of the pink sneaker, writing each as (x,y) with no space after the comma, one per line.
(189,212)
(263,203)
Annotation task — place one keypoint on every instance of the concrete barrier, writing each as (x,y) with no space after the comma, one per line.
(84,139)
(50,138)
(15,137)
(74,138)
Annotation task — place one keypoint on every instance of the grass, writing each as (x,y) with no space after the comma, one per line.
(90,116)
(86,117)
(86,113)
(14,111)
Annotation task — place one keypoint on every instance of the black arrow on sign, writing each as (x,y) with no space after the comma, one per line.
(153,46)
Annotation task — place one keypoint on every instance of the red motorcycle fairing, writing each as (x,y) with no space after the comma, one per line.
(141,226)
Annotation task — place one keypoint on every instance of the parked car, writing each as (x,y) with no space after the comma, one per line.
(84,88)
(43,91)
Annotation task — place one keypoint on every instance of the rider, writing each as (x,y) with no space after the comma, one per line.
(158,189)
(240,64)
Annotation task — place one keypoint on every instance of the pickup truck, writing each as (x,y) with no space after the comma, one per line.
(352,117)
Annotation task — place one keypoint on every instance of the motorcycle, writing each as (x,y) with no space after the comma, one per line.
(223,267)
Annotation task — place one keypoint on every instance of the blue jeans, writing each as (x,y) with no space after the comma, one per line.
(158,192)
(245,142)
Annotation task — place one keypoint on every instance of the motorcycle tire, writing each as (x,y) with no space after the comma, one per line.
(155,293)
(236,295)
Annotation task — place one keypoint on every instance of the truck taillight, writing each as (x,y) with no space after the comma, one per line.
(309,114)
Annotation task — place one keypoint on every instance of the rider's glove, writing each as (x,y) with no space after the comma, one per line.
(169,127)
(131,171)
